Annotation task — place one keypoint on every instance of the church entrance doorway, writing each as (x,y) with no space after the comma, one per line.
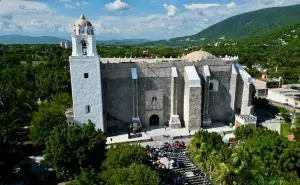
(154,120)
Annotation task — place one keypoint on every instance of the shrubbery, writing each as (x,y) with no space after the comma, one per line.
(263,157)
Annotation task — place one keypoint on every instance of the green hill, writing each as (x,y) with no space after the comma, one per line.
(243,25)
(277,50)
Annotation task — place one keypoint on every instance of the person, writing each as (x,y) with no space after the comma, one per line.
(165,128)
(111,139)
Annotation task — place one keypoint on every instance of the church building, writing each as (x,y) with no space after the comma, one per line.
(193,91)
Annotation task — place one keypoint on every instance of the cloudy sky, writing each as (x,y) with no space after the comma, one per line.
(122,19)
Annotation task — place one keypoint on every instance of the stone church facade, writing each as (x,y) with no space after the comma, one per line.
(192,92)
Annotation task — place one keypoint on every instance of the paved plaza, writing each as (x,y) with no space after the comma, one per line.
(150,134)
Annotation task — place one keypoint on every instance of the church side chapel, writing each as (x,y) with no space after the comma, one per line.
(192,92)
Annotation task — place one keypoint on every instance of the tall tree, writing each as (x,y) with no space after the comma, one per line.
(135,174)
(123,155)
(71,147)
(44,120)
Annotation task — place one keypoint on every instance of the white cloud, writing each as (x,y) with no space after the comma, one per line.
(23,7)
(31,18)
(231,4)
(266,2)
(200,6)
(172,10)
(75,4)
(117,5)
(69,6)
(36,18)
(7,26)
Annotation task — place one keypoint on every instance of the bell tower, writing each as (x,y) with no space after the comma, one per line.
(83,38)
(86,75)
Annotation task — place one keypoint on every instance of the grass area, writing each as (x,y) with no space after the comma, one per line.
(285,129)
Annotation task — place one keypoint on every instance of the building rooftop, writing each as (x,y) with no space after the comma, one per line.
(247,116)
(82,22)
(293,93)
(294,85)
(196,55)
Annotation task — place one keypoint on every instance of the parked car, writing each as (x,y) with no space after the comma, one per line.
(278,117)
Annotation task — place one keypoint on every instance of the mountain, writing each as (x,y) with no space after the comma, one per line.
(123,42)
(21,39)
(276,50)
(240,26)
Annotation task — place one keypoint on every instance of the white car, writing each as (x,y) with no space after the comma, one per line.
(278,117)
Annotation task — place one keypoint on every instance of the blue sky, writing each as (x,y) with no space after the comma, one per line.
(123,19)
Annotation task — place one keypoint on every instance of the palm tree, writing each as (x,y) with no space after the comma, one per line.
(224,174)
(212,161)
(269,178)
(202,157)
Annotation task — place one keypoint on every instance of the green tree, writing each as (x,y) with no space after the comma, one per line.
(44,120)
(71,147)
(123,155)
(285,115)
(63,99)
(224,174)
(87,177)
(289,159)
(242,133)
(135,174)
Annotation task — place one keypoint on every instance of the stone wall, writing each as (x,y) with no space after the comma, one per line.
(219,101)
(156,77)
(239,94)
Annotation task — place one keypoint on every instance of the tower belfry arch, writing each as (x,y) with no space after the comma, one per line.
(83,46)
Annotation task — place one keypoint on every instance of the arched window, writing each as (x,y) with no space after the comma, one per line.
(83,45)
(213,85)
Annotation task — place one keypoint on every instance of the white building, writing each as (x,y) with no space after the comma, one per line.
(85,75)
(65,44)
(285,96)
(245,120)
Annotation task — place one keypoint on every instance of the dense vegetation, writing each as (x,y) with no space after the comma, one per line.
(277,51)
(125,164)
(240,26)
(21,85)
(263,157)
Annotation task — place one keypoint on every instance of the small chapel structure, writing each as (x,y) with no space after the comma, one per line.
(192,91)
